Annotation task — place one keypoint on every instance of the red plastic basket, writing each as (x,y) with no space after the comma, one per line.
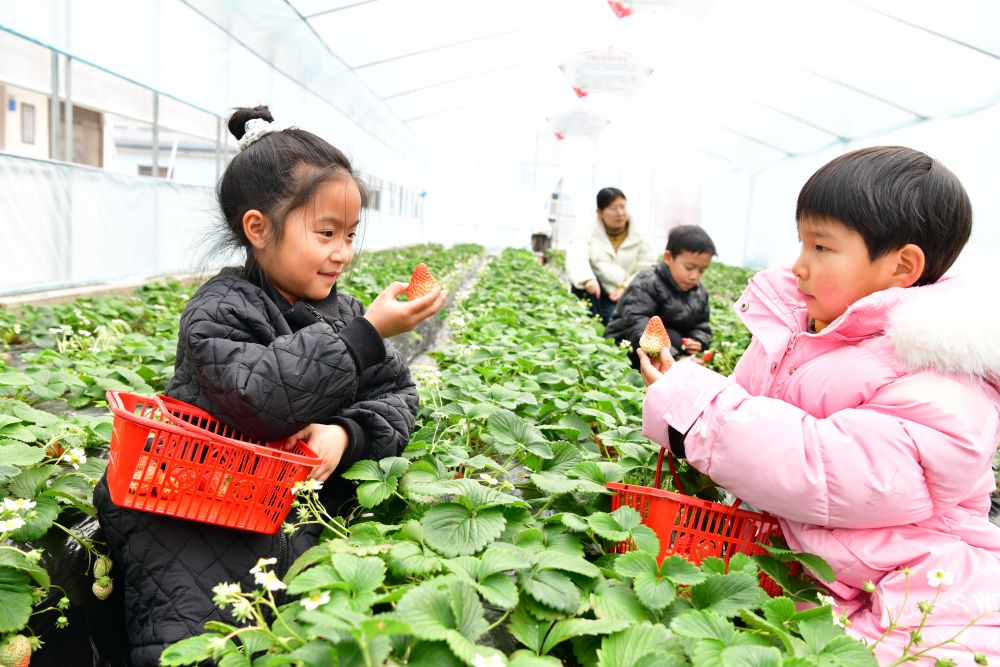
(696,529)
(172,458)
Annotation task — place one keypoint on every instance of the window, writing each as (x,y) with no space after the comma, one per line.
(27,123)
(147,170)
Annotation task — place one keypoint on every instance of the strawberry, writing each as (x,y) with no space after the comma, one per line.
(707,356)
(654,338)
(102,567)
(102,588)
(16,652)
(421,282)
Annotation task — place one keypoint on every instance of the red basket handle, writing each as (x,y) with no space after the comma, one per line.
(673,473)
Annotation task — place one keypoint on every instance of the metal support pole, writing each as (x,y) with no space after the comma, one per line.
(54,109)
(156,135)
(218,148)
(68,131)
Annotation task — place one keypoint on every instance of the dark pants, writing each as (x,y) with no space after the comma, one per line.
(602,306)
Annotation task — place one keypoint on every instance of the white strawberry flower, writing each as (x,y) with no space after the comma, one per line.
(315,599)
(262,563)
(489,479)
(76,457)
(242,609)
(306,485)
(494,660)
(18,504)
(8,525)
(825,600)
(938,577)
(226,593)
(269,580)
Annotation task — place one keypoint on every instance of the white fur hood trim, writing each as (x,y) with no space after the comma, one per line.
(951,327)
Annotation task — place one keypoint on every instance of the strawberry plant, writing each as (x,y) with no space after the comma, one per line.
(58,362)
(491,541)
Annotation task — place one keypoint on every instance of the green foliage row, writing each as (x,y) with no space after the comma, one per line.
(492,540)
(63,358)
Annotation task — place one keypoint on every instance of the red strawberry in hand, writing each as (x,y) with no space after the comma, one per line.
(421,282)
(654,338)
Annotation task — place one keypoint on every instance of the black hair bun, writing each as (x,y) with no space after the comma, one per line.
(238,121)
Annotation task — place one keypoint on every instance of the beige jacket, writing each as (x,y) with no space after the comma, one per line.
(590,256)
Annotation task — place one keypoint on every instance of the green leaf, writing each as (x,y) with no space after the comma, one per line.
(653,592)
(727,594)
(360,574)
(38,519)
(626,648)
(606,526)
(645,539)
(409,559)
(432,654)
(681,571)
(14,379)
(527,629)
(381,479)
(18,561)
(551,559)
(552,588)
(510,429)
(615,600)
(445,609)
(17,432)
(20,454)
(189,651)
(627,517)
(636,563)
(525,658)
(498,589)
(319,577)
(847,652)
(816,565)
(779,610)
(574,522)
(703,625)
(578,627)
(553,484)
(711,653)
(455,530)
(15,592)
(817,633)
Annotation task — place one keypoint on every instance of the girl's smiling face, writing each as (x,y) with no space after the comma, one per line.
(833,269)
(317,243)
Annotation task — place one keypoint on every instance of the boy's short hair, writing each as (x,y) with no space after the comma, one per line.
(892,196)
(689,238)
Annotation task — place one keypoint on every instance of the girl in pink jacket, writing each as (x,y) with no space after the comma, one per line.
(866,411)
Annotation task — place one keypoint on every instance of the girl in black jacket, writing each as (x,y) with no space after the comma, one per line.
(273,350)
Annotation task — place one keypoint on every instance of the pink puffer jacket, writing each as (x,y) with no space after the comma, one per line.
(872,440)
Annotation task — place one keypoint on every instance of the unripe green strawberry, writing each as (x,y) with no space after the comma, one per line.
(421,282)
(102,588)
(654,338)
(102,567)
(16,652)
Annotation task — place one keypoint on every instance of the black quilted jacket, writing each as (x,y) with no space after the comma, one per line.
(266,368)
(654,292)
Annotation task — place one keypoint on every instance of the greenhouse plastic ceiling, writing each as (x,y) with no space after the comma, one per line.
(750,83)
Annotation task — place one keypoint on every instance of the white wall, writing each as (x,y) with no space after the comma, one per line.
(18,97)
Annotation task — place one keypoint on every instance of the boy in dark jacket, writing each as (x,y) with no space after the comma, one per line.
(672,290)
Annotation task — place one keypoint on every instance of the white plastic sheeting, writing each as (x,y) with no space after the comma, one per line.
(453,97)
(70,225)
